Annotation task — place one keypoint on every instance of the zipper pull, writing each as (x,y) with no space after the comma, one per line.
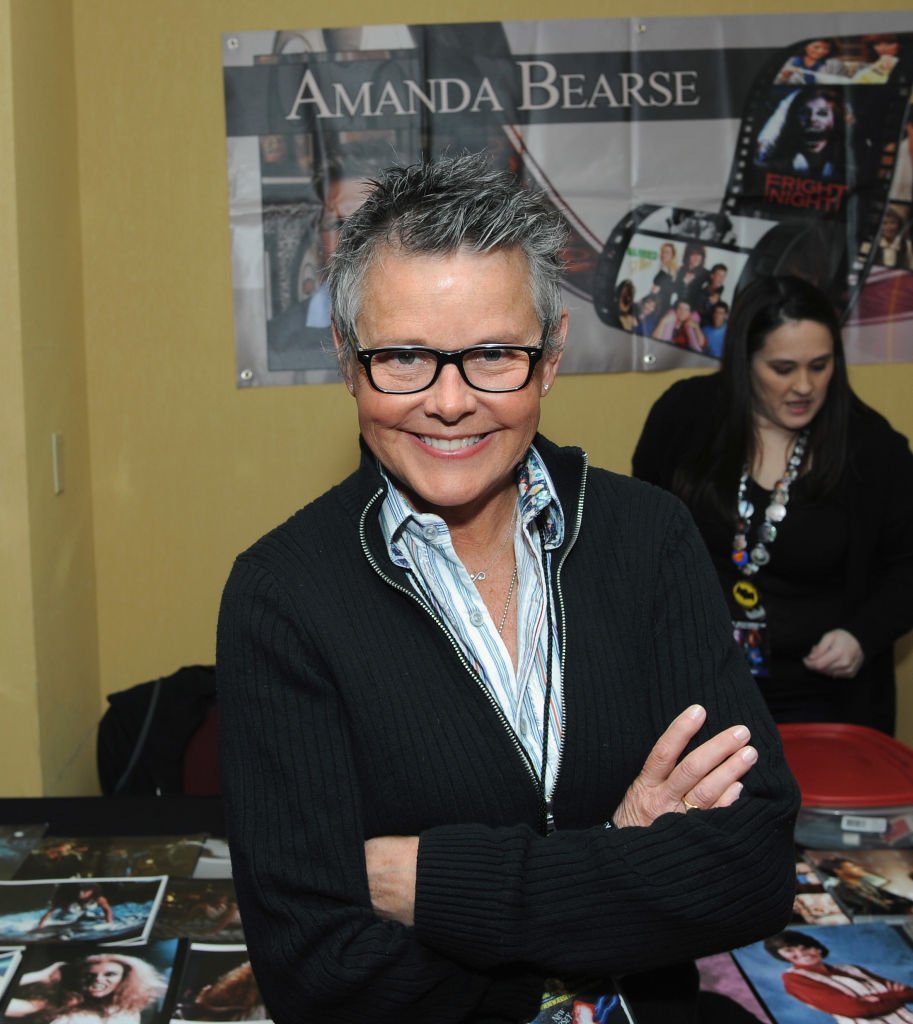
(549,818)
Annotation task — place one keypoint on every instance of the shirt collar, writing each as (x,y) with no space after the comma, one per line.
(537,496)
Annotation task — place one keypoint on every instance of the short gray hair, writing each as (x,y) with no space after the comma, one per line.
(439,207)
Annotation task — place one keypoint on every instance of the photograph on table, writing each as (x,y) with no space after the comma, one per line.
(725,996)
(9,962)
(91,984)
(96,909)
(582,1005)
(217,983)
(863,972)
(870,885)
(813,904)
(16,843)
(113,857)
(214,860)
(59,857)
(200,909)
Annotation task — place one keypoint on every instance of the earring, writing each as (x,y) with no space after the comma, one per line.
(545,388)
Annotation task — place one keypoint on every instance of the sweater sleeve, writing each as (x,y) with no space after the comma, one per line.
(297,840)
(651,460)
(619,900)
(885,612)
(680,414)
(828,999)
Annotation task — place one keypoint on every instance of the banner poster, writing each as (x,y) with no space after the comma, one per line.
(689,156)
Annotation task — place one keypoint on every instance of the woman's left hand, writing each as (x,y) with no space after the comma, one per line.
(391,863)
(708,777)
(837,654)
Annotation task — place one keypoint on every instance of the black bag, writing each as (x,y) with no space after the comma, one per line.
(143,735)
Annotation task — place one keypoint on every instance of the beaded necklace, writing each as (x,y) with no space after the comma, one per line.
(749,563)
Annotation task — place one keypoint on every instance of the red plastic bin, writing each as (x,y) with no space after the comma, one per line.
(856,782)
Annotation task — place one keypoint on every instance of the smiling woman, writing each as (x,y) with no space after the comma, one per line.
(804,497)
(446,685)
(848,991)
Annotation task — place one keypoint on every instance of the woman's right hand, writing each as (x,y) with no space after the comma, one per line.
(707,777)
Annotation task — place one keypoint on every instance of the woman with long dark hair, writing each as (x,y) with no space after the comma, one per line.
(804,497)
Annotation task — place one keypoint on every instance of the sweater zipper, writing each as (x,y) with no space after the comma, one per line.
(375,565)
(549,808)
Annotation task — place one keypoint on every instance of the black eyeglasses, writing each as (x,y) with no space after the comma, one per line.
(406,369)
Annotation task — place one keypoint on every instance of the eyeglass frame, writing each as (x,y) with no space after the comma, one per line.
(454,357)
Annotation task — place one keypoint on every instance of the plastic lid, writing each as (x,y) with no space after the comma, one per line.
(839,765)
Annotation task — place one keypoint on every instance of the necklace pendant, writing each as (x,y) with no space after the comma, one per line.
(746,509)
(767,532)
(739,558)
(776,512)
(760,555)
(477,577)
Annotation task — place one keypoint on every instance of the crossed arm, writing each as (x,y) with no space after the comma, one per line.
(706,778)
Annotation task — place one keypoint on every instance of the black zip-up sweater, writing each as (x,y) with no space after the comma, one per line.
(347,712)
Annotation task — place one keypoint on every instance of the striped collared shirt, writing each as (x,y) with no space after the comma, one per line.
(421,544)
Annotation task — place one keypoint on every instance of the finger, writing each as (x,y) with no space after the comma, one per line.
(712,753)
(662,759)
(717,784)
(729,796)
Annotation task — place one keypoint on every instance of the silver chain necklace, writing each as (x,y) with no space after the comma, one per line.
(510,594)
(482,574)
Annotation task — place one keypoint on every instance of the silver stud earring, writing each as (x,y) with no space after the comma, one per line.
(545,387)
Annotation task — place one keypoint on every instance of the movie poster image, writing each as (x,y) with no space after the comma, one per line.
(90,909)
(16,842)
(113,856)
(812,903)
(752,119)
(869,973)
(871,884)
(205,910)
(217,984)
(678,275)
(91,984)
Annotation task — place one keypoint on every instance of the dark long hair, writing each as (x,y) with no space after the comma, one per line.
(791,138)
(709,474)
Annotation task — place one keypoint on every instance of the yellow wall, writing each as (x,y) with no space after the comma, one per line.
(50,668)
(18,673)
(185,469)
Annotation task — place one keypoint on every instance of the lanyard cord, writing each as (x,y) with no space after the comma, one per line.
(548,675)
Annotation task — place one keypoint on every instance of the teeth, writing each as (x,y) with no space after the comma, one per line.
(450,444)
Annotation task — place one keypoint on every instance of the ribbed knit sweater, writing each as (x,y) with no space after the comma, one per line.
(347,711)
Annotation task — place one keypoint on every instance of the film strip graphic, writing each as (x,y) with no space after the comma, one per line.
(820,186)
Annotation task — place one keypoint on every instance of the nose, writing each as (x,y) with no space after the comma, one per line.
(803,385)
(450,398)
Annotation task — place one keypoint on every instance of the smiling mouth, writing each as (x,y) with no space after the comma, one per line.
(450,444)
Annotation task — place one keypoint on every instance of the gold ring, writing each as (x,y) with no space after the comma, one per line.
(690,806)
